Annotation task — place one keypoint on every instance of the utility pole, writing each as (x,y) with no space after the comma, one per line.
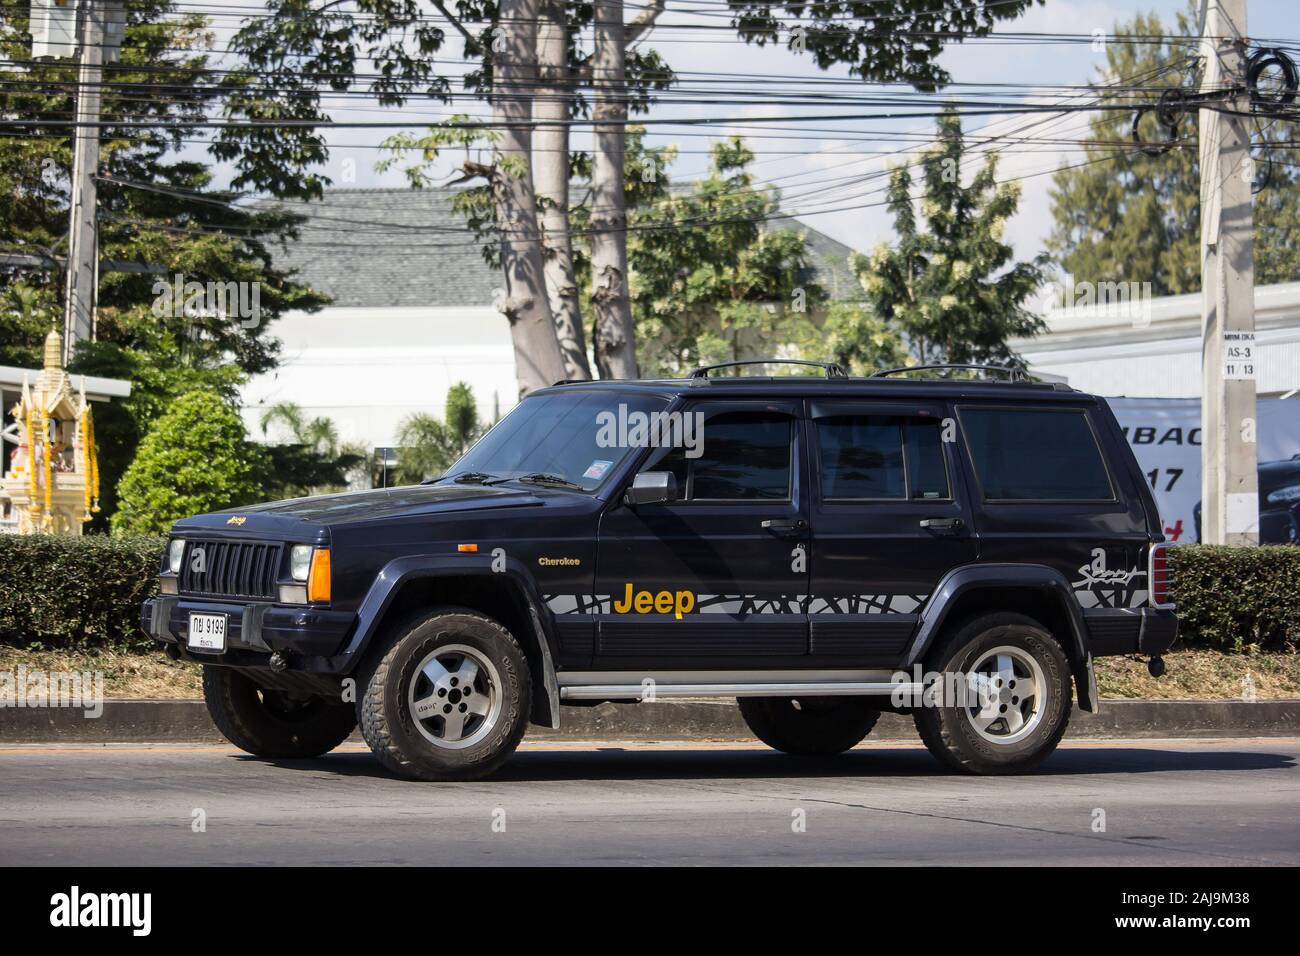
(1229,467)
(83,257)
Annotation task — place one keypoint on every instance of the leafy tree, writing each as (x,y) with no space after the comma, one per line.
(313,461)
(853,337)
(884,40)
(1130,216)
(710,281)
(428,447)
(952,287)
(156,207)
(194,459)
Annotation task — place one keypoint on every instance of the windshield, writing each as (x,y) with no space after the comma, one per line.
(559,440)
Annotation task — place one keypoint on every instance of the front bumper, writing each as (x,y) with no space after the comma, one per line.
(1150,631)
(253,631)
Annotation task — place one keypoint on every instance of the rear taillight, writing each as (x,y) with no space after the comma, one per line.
(1158,575)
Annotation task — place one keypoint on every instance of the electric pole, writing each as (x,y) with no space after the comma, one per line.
(83,257)
(1229,468)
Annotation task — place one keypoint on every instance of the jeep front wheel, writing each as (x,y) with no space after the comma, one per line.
(1004,700)
(448,699)
(273,723)
(809,726)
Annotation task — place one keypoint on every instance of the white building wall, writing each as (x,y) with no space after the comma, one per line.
(1152,348)
(367,369)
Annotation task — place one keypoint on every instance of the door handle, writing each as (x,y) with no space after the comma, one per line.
(783,528)
(944,526)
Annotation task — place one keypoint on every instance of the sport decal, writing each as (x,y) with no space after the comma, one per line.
(1099,586)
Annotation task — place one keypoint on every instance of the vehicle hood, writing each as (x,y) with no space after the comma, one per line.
(324,511)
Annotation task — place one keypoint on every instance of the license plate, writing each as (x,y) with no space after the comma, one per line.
(207,632)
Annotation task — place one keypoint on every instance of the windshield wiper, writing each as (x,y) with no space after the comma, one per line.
(544,479)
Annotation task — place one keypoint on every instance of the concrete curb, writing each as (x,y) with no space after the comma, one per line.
(136,721)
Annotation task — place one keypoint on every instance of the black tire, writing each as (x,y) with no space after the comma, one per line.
(268,723)
(809,726)
(949,730)
(389,725)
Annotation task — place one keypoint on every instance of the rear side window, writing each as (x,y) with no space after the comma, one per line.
(1036,455)
(877,457)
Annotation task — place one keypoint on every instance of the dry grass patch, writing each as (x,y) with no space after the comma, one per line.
(1201,675)
(146,675)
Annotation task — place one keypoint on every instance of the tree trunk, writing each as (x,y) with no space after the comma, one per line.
(614,336)
(538,359)
(551,171)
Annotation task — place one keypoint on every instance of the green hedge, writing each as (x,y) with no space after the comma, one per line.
(59,591)
(1229,598)
(62,592)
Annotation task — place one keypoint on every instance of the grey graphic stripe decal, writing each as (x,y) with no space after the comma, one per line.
(753,604)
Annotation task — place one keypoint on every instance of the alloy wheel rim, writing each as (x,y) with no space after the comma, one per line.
(454,698)
(1008,695)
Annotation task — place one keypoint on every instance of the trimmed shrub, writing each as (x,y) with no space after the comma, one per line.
(195,459)
(62,592)
(1229,598)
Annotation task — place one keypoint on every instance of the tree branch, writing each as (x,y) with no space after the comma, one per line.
(469,37)
(641,25)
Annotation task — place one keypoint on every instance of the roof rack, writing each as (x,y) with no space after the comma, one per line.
(1012,374)
(830,368)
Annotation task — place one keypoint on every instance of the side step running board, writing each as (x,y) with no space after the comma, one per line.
(747,689)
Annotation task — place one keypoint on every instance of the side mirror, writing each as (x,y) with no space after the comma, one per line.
(651,488)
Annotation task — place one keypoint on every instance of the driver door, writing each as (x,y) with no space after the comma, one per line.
(718,578)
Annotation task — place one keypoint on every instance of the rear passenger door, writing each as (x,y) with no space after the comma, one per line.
(889,519)
(1046,495)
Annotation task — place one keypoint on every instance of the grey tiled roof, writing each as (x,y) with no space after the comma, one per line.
(388,248)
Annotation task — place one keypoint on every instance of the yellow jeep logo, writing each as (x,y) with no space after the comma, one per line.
(676,603)
(236,519)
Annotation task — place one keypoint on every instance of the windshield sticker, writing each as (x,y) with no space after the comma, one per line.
(597,469)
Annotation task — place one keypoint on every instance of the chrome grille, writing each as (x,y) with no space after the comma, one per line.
(240,569)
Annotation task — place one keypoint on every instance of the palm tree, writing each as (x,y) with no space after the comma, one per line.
(313,461)
(427,447)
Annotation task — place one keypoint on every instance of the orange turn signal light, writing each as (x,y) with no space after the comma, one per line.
(318,578)
(466,548)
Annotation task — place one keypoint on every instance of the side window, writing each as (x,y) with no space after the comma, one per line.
(1045,454)
(745,457)
(879,457)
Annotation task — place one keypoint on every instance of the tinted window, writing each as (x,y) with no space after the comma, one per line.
(862,456)
(745,456)
(927,473)
(1036,455)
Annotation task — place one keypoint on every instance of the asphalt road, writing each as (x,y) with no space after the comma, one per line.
(1175,803)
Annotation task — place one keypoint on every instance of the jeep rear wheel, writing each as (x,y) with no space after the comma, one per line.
(448,699)
(809,726)
(272,723)
(1005,700)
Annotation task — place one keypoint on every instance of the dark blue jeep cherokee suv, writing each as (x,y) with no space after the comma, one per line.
(820,547)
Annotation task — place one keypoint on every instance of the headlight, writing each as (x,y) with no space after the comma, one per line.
(300,562)
(175,555)
(1284,494)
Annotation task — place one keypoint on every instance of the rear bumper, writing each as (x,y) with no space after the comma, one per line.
(253,631)
(1148,630)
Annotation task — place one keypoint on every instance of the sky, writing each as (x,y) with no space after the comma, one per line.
(824,167)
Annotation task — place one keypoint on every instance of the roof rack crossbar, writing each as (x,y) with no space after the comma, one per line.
(1012,374)
(831,369)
